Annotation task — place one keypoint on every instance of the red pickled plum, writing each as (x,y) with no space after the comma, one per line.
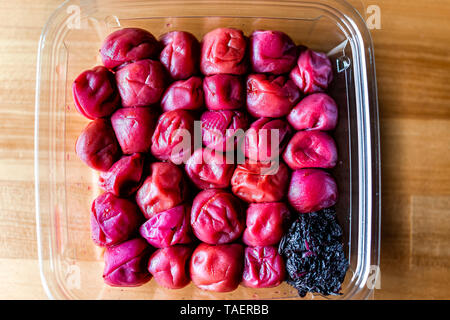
(97,145)
(223,189)
(217,217)
(313,72)
(126,264)
(266,223)
(263,267)
(217,268)
(258,139)
(173,136)
(126,45)
(224,92)
(270,96)
(183,94)
(124,177)
(164,189)
(261,181)
(180,54)
(312,190)
(223,50)
(317,111)
(134,128)
(209,169)
(95,93)
(141,83)
(221,130)
(272,52)
(168,227)
(113,220)
(170,266)
(310,149)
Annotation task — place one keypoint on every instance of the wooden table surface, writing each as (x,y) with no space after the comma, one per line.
(413,73)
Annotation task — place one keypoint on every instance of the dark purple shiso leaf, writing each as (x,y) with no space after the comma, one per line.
(314,254)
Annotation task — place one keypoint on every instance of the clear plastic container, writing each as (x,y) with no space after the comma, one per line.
(71,266)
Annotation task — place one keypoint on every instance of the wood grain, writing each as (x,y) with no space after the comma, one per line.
(413,75)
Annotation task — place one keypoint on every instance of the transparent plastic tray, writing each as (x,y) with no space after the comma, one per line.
(70,265)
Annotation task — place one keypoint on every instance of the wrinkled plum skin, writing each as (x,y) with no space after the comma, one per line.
(263,267)
(219,129)
(126,264)
(217,217)
(270,96)
(168,227)
(217,267)
(141,83)
(258,143)
(209,169)
(126,45)
(310,149)
(95,93)
(134,128)
(164,189)
(317,111)
(124,177)
(183,94)
(266,223)
(167,136)
(272,52)
(224,92)
(259,182)
(312,190)
(113,220)
(170,266)
(97,145)
(180,54)
(223,50)
(313,72)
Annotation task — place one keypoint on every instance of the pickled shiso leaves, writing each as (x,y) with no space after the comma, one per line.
(314,253)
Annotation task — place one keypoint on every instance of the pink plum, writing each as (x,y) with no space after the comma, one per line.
(113,220)
(272,52)
(224,92)
(312,190)
(170,266)
(180,54)
(266,223)
(270,96)
(217,267)
(221,130)
(163,189)
(124,177)
(126,264)
(223,50)
(173,136)
(168,227)
(209,169)
(127,45)
(260,181)
(134,128)
(258,138)
(313,72)
(95,93)
(310,149)
(317,111)
(141,83)
(97,145)
(263,267)
(183,94)
(217,217)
